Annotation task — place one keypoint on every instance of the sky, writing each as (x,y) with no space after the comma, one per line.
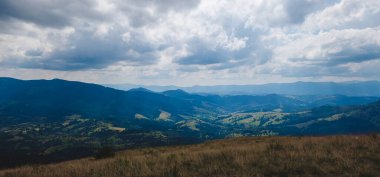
(190,42)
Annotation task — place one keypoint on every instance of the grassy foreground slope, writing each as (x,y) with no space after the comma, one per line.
(248,156)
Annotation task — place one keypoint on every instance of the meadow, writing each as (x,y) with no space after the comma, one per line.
(343,155)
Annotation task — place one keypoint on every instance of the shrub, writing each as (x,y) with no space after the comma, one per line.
(105,152)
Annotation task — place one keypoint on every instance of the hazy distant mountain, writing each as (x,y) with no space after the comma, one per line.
(155,88)
(355,88)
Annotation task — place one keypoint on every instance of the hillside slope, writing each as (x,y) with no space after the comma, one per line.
(244,157)
(56,99)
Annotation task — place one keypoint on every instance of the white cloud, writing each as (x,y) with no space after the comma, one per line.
(184,42)
(346,14)
(333,47)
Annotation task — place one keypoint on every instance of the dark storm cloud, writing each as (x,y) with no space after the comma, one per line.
(48,13)
(32,12)
(88,51)
(228,65)
(355,52)
(253,52)
(297,10)
(220,59)
(57,14)
(84,49)
(188,69)
(200,53)
(312,71)
(143,12)
(205,57)
(34,53)
(354,55)
(161,6)
(341,58)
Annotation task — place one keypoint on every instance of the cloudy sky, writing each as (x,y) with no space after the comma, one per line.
(190,42)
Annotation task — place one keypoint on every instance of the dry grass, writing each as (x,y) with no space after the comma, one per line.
(255,156)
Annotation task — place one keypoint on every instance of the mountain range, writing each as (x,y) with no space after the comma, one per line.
(53,120)
(353,88)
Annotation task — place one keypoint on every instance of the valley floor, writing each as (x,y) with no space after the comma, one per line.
(248,156)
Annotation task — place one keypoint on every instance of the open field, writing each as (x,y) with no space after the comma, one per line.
(247,156)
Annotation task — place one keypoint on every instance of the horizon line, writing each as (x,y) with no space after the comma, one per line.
(196,85)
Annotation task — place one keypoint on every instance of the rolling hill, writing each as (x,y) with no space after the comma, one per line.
(54,120)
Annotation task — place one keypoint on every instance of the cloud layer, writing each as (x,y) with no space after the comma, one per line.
(191,42)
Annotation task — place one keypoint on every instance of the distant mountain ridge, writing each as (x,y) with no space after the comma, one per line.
(353,88)
(63,98)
